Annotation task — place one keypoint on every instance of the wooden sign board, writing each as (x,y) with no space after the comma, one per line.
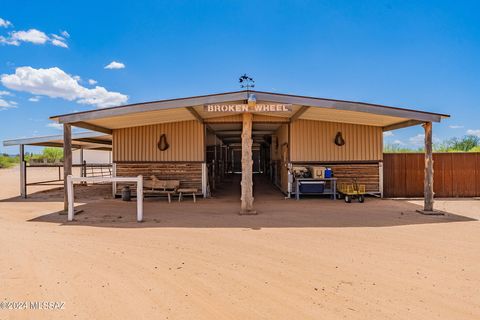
(239,108)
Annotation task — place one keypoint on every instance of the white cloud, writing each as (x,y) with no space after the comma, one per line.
(5,93)
(65,34)
(55,125)
(33,36)
(56,36)
(59,43)
(34,99)
(55,83)
(417,140)
(475,132)
(5,105)
(5,23)
(400,142)
(9,41)
(115,65)
(92,82)
(388,134)
(455,127)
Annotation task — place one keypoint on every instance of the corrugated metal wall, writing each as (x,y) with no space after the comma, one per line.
(279,138)
(314,141)
(279,153)
(186,140)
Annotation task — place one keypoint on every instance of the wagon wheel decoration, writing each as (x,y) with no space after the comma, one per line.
(339,141)
(162,143)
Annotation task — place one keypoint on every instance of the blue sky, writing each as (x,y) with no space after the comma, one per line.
(414,54)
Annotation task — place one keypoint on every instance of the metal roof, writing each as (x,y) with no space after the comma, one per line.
(191,108)
(85,140)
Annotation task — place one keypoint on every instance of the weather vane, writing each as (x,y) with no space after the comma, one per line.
(246,82)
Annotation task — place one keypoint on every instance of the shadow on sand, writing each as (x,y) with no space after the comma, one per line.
(217,213)
(221,211)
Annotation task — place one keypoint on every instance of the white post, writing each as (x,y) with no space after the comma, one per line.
(23,173)
(67,160)
(380,178)
(140,198)
(114,183)
(70,198)
(204,179)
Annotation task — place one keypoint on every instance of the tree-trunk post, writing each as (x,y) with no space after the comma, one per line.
(23,173)
(247,166)
(67,160)
(428,183)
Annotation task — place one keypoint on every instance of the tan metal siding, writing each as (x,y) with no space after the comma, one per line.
(314,141)
(282,159)
(186,140)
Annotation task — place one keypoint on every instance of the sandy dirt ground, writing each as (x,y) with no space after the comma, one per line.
(307,259)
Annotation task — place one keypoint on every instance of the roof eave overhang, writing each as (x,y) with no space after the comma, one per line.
(85,137)
(352,106)
(150,106)
(412,117)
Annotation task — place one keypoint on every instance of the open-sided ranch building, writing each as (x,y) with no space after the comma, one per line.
(198,140)
(301,144)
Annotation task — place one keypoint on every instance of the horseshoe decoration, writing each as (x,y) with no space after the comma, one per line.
(162,143)
(339,141)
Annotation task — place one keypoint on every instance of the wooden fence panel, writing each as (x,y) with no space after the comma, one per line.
(443,175)
(464,175)
(477,176)
(415,172)
(455,174)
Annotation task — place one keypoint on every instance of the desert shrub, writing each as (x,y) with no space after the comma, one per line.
(7,161)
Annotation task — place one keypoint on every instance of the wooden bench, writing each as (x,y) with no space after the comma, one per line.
(161,187)
(182,191)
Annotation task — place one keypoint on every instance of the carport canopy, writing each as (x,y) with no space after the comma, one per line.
(82,140)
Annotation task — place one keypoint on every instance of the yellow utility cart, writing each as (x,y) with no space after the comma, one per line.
(352,190)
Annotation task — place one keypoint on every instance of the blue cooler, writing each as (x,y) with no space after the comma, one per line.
(312,187)
(328,173)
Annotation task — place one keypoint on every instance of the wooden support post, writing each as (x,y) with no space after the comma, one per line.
(428,182)
(23,173)
(247,166)
(67,160)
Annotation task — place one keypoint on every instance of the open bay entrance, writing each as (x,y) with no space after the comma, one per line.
(228,164)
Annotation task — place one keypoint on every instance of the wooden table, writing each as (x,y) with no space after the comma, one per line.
(332,190)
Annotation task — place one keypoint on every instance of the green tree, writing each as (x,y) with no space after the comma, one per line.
(397,148)
(464,144)
(53,155)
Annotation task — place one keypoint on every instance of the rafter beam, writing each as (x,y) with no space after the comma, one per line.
(92,127)
(404,124)
(299,112)
(195,114)
(95,141)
